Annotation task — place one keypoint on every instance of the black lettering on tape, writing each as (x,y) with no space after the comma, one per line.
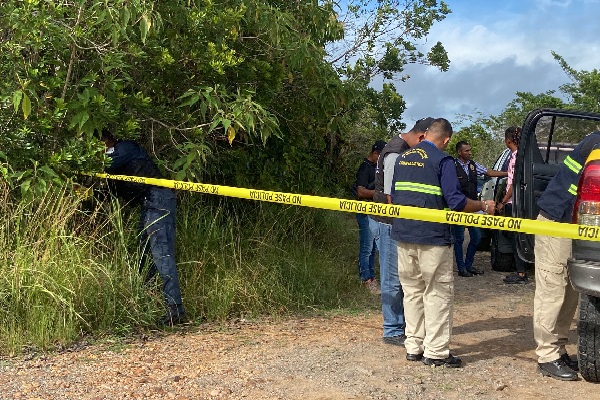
(588,231)
(514,224)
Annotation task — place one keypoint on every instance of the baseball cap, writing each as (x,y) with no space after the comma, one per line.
(422,125)
(378,146)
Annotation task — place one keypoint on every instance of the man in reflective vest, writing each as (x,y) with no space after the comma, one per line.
(425,176)
(555,299)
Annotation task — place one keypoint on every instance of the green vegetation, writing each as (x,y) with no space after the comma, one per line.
(267,94)
(66,271)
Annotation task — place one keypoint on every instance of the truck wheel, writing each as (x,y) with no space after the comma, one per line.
(501,262)
(588,330)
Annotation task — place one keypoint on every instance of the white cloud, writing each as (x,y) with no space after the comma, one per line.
(553,3)
(527,37)
(469,46)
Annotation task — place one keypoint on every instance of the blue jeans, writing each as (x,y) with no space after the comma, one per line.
(466,263)
(392,306)
(157,239)
(366,252)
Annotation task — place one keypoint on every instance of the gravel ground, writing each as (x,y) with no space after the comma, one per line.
(320,357)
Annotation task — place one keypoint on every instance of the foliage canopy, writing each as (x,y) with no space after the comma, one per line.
(240,91)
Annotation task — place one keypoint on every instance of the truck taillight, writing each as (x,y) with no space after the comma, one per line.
(587,204)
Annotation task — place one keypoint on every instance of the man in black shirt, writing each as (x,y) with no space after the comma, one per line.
(365,189)
(157,219)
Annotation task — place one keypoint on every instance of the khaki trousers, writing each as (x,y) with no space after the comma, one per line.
(555,299)
(426,277)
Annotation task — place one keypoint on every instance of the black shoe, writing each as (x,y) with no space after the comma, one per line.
(414,357)
(448,362)
(475,271)
(573,364)
(465,274)
(175,315)
(395,340)
(557,369)
(516,279)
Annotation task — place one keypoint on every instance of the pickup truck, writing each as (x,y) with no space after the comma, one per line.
(544,131)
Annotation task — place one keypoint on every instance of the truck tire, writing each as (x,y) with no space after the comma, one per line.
(501,262)
(588,330)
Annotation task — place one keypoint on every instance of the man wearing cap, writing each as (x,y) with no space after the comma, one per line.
(467,172)
(425,176)
(364,188)
(381,227)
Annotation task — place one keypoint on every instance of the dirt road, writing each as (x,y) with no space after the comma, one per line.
(321,357)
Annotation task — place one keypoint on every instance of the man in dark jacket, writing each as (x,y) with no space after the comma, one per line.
(157,218)
(467,172)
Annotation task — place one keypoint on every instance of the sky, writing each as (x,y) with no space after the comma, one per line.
(499,47)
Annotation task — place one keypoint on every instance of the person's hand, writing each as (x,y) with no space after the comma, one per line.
(489,207)
(500,207)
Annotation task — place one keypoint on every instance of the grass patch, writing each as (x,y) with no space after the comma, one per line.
(66,272)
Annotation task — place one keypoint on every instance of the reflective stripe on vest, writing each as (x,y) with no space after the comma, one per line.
(418,187)
(573,190)
(572,165)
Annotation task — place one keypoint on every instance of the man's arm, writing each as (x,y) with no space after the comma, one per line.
(455,199)
(389,163)
(481,170)
(364,193)
(496,174)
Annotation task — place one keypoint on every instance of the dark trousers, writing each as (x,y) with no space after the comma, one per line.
(512,237)
(157,238)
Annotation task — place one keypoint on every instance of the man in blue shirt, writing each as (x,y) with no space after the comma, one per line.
(425,176)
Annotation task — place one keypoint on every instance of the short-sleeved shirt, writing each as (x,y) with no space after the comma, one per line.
(365,176)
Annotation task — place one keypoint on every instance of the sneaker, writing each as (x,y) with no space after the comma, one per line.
(516,279)
(395,340)
(464,274)
(372,285)
(448,362)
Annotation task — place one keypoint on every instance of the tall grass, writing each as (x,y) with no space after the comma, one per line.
(65,272)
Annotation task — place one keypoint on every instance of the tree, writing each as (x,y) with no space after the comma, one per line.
(235,91)
(381,38)
(584,91)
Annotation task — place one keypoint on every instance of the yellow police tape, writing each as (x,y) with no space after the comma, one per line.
(557,229)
